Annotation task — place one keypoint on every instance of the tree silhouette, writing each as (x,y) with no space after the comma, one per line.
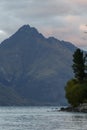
(79,65)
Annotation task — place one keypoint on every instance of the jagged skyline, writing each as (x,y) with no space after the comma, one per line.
(65,20)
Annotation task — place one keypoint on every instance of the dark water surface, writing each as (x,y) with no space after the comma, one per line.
(40,118)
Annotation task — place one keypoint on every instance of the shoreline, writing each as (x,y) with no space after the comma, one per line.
(73,109)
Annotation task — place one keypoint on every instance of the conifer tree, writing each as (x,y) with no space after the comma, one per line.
(79,65)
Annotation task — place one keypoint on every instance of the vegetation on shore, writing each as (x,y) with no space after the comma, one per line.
(76,88)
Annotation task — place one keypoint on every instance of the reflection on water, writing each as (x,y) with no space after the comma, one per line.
(80,120)
(40,118)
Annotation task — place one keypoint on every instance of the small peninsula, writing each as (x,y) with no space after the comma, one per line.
(76,88)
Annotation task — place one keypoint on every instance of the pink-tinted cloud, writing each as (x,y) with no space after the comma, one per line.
(81,2)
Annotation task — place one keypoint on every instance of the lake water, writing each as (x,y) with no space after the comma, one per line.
(40,118)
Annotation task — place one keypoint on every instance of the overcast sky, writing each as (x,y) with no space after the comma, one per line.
(63,19)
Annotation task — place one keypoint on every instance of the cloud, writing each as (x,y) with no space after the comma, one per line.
(2,35)
(83,28)
(63,19)
(80,2)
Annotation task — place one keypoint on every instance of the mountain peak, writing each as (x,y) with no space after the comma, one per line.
(25,27)
(28,30)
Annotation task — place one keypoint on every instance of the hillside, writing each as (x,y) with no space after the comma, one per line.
(35,67)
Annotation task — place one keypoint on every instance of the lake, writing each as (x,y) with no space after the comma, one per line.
(40,118)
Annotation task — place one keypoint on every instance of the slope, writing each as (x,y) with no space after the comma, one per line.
(37,68)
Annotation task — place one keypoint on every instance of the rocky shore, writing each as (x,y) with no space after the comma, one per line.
(80,108)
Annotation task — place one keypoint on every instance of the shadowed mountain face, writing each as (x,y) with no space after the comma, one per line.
(34,68)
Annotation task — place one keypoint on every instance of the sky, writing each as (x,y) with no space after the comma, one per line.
(63,19)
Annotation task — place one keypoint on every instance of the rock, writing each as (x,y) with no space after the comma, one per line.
(80,108)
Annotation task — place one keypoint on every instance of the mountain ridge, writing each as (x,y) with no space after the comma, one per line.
(27,29)
(36,67)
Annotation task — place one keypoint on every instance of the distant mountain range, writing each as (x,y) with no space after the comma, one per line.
(34,69)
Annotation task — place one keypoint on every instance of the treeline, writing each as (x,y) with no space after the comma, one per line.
(76,88)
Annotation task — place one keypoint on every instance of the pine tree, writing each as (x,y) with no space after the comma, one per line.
(79,65)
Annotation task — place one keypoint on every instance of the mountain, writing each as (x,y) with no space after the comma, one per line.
(34,69)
